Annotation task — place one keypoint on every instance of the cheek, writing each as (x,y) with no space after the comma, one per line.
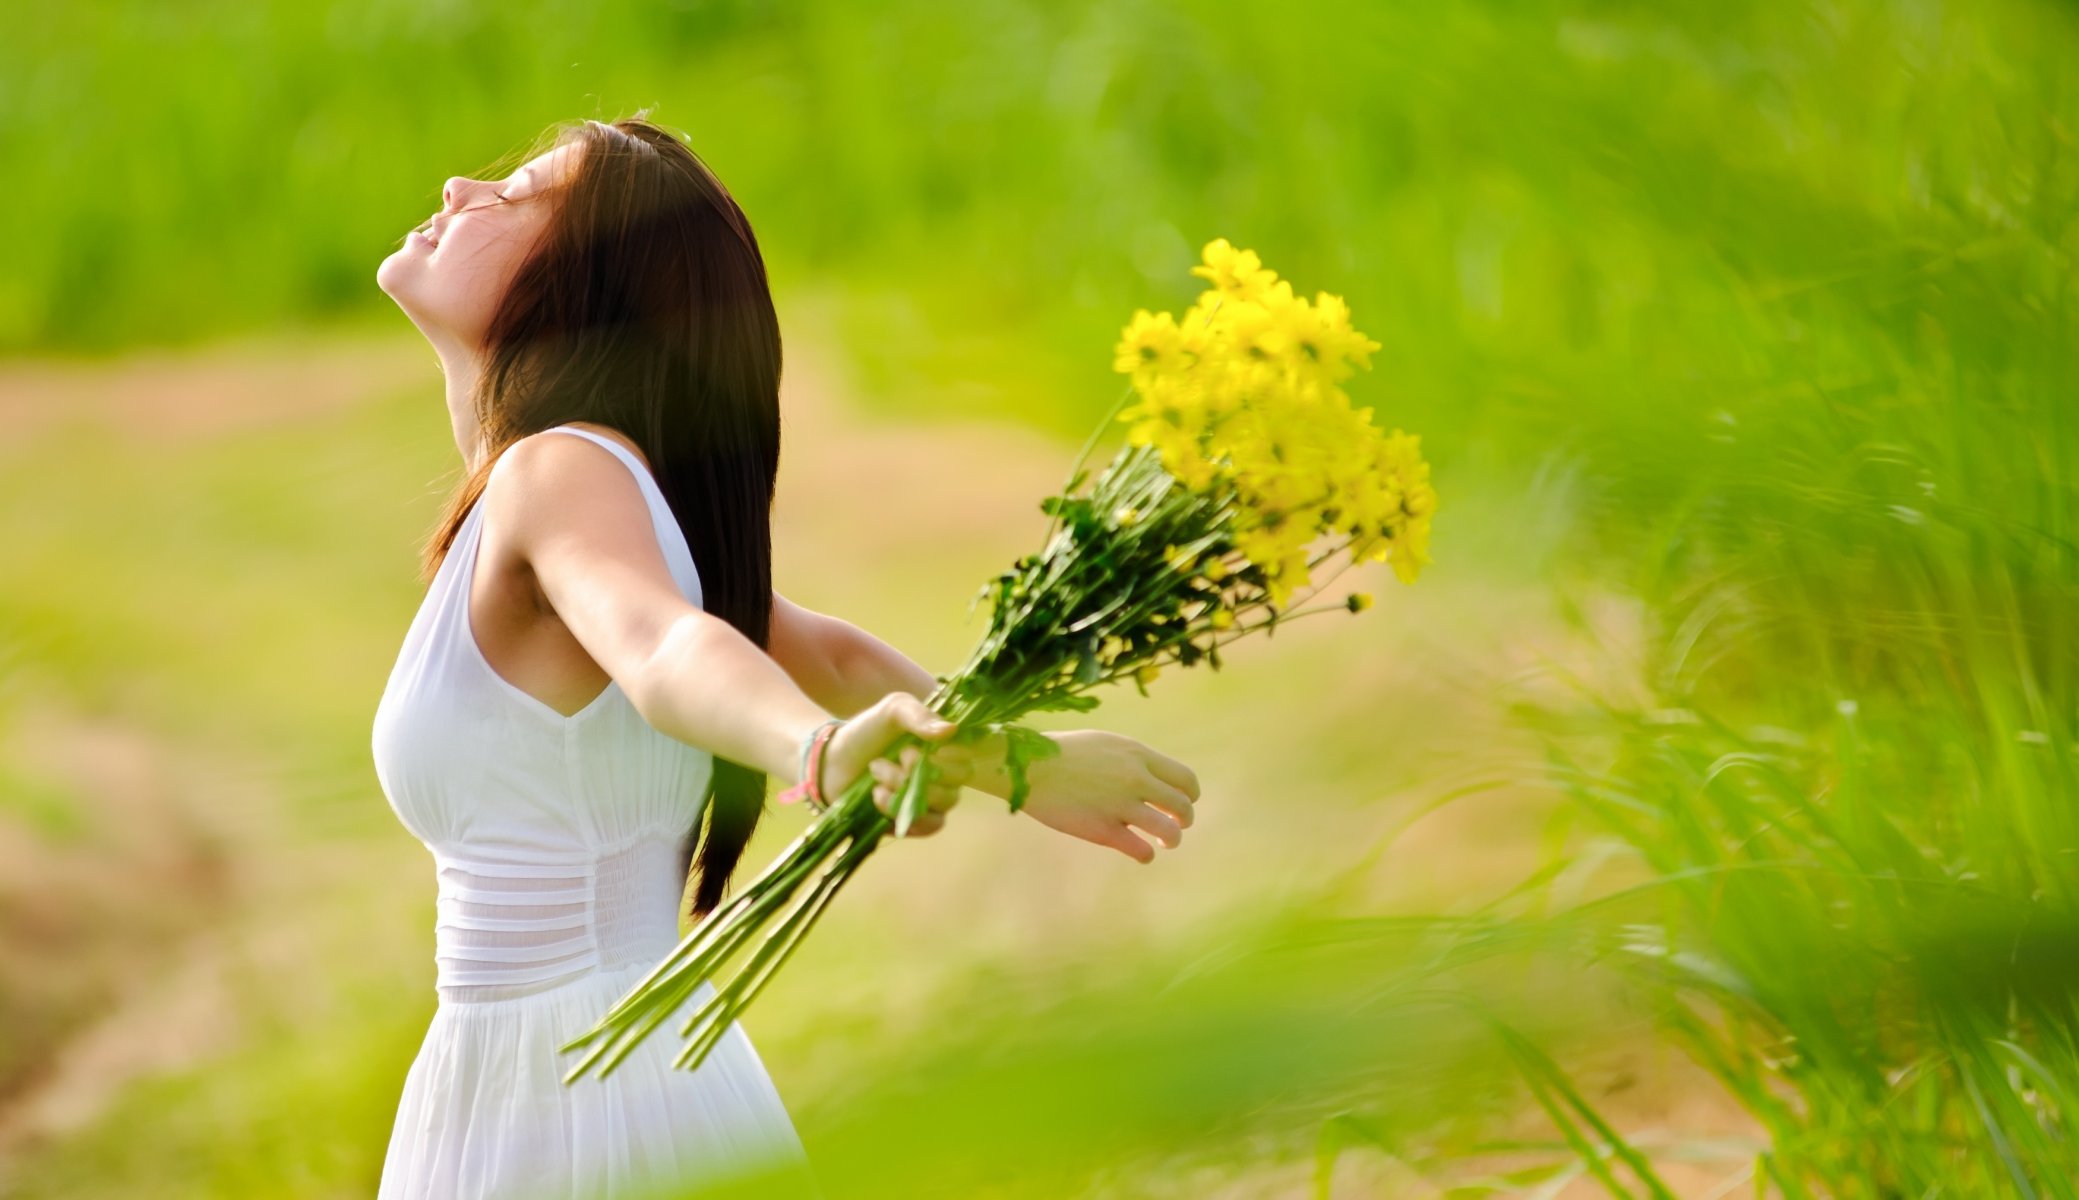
(474,269)
(459,282)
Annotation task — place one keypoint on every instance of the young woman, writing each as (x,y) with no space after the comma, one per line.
(601,674)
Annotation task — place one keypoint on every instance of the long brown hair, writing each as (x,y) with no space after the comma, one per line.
(645,308)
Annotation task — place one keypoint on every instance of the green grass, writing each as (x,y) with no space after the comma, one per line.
(1760,316)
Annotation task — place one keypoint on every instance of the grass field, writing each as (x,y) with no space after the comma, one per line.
(1703,820)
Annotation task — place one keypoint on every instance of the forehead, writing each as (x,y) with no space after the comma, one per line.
(548,168)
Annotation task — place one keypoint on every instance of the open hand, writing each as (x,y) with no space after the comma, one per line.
(1103,785)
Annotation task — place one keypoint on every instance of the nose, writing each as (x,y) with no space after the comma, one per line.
(455,185)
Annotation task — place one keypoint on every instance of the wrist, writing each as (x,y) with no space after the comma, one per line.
(795,734)
(812,775)
(990,773)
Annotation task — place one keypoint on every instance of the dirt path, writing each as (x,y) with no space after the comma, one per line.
(133,889)
(177,398)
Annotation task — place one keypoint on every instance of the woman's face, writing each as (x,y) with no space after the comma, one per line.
(449,279)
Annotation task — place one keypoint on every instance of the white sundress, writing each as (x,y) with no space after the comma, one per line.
(560,846)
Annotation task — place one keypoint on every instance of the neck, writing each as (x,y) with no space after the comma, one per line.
(461,370)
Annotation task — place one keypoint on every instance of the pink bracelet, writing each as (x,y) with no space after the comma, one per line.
(810,790)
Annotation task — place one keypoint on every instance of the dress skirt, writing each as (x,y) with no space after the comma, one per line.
(485,1114)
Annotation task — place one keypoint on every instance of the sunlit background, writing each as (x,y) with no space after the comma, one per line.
(1702,823)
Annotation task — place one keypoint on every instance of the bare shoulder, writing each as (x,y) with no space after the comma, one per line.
(548,487)
(571,519)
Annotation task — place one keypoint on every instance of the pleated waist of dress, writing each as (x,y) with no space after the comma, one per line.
(511,926)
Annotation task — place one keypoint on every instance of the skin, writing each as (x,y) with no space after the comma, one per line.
(570,591)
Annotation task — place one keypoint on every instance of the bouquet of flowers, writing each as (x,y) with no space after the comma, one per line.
(1242,453)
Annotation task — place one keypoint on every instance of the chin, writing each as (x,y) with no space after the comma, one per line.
(389,273)
(404,281)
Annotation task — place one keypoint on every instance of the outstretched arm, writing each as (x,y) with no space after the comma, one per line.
(575,519)
(1100,784)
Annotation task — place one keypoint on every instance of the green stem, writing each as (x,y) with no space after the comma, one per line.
(726,923)
(760,971)
(653,1001)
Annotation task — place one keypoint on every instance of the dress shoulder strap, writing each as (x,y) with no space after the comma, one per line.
(633,463)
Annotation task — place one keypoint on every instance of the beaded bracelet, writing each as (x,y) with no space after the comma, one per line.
(810,789)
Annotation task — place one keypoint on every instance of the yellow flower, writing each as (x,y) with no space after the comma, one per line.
(1216,569)
(1223,618)
(1234,273)
(1347,348)
(1191,468)
(1128,516)
(1147,673)
(1182,560)
(1257,336)
(1151,342)
(1261,546)
(1411,552)
(1293,567)
(1241,395)
(1358,601)
(1305,332)
(1178,447)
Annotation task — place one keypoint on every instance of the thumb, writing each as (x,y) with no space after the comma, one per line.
(916,717)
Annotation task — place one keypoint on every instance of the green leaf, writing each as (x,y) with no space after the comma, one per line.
(909,803)
(1068,701)
(1021,747)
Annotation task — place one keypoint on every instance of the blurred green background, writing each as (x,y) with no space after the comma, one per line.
(1702,821)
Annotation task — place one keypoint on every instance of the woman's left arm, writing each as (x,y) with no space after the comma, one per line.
(1096,789)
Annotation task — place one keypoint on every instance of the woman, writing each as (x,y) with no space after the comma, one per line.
(600,665)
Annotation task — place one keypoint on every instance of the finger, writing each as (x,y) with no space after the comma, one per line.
(1170,800)
(956,771)
(1124,840)
(1155,821)
(939,799)
(926,824)
(884,771)
(953,763)
(881,793)
(914,715)
(910,755)
(1170,771)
